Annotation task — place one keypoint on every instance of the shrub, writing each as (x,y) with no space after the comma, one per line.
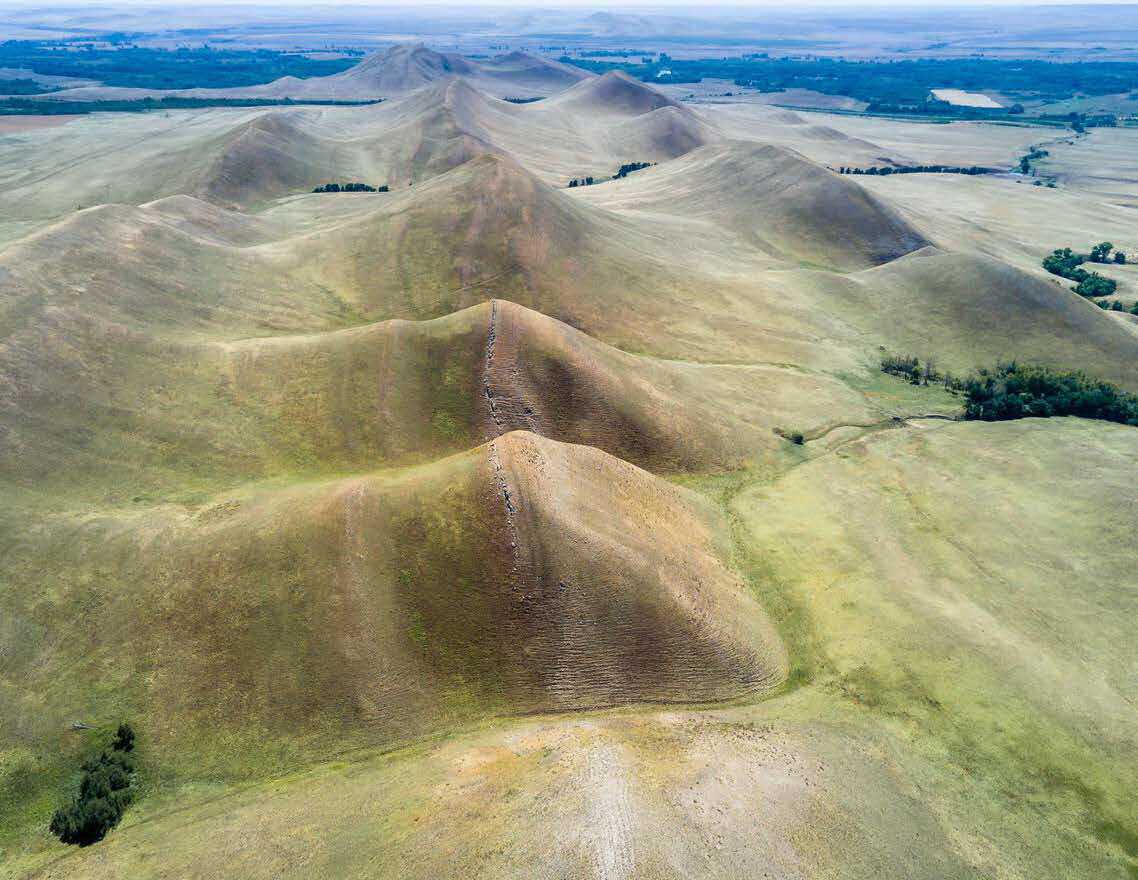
(1096,285)
(124,738)
(797,438)
(103,796)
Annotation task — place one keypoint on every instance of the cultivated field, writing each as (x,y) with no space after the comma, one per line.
(961,98)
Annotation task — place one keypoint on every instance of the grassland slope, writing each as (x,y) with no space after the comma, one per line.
(964,706)
(788,206)
(522,575)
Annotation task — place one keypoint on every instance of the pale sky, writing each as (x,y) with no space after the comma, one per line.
(694,9)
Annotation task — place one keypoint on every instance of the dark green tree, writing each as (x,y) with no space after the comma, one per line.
(124,738)
(1096,285)
(1101,251)
(104,794)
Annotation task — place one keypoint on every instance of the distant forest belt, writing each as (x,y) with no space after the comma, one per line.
(892,82)
(993,117)
(129,66)
(25,107)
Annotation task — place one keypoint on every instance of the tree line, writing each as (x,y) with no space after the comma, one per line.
(1017,391)
(350,188)
(1012,390)
(1029,157)
(919,169)
(626,169)
(1116,306)
(915,372)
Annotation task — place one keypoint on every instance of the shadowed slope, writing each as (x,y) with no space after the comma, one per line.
(393,392)
(178,262)
(272,156)
(520,70)
(287,152)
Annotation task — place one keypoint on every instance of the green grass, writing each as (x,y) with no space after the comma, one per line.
(859,588)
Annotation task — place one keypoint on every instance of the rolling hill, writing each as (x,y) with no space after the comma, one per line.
(391,72)
(460,529)
(789,207)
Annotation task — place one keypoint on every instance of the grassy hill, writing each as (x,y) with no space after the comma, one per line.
(329,494)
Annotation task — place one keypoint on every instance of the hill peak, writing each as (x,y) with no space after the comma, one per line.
(615,93)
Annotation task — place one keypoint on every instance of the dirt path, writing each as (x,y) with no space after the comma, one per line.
(891,422)
(610,814)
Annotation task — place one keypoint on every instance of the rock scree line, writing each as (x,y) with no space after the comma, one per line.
(495,460)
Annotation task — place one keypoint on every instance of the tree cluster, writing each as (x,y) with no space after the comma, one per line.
(1013,391)
(919,169)
(624,170)
(350,188)
(1100,253)
(104,794)
(627,168)
(24,87)
(1068,264)
(916,372)
(1026,160)
(1095,285)
(1080,122)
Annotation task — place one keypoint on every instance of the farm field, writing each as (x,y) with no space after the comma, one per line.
(961,98)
